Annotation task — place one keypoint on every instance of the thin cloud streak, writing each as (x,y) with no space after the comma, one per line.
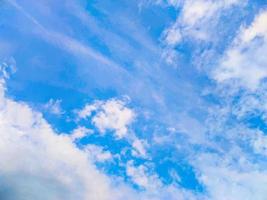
(65,42)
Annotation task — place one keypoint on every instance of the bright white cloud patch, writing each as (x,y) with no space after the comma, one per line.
(245,60)
(88,110)
(115,116)
(109,115)
(80,132)
(258,28)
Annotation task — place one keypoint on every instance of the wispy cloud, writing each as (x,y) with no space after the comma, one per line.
(65,42)
(244,59)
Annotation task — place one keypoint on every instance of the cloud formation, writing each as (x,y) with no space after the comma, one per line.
(109,115)
(197,19)
(245,60)
(38,163)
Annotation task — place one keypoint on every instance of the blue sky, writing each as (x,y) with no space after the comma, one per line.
(139,99)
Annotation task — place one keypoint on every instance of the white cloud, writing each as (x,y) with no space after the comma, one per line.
(139,148)
(88,110)
(80,132)
(232,181)
(114,116)
(139,175)
(143,176)
(109,115)
(37,163)
(245,60)
(196,19)
(97,153)
(175,176)
(236,169)
(257,29)
(195,11)
(259,143)
(172,36)
(54,107)
(7,68)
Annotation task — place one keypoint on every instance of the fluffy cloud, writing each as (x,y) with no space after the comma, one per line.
(80,132)
(88,110)
(245,60)
(97,153)
(232,180)
(110,115)
(141,177)
(196,19)
(115,116)
(258,28)
(139,148)
(37,163)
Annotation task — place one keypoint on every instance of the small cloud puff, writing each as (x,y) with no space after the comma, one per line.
(109,115)
(54,107)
